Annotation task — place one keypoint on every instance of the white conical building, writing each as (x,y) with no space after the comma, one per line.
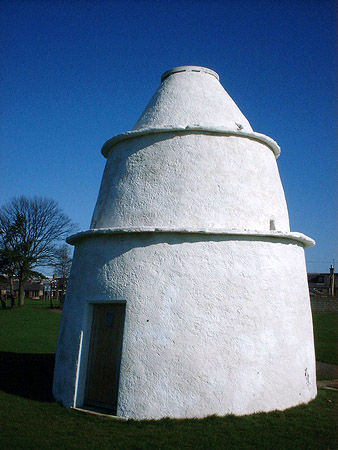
(188,296)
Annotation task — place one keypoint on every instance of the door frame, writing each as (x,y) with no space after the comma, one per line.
(84,347)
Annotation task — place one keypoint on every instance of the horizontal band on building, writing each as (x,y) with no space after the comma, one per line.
(262,138)
(298,238)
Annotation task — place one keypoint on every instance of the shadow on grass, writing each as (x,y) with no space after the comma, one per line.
(29,375)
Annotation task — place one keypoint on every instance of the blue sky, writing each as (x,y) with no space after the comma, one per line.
(75,73)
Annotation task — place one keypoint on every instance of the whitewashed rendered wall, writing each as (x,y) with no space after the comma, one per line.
(191,180)
(214,324)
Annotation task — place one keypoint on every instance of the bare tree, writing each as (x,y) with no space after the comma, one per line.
(62,264)
(30,228)
(8,266)
(62,261)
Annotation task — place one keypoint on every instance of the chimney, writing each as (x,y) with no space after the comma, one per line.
(332,286)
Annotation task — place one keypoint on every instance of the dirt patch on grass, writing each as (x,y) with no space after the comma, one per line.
(325,370)
(55,310)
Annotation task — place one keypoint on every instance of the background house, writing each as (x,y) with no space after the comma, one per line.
(47,288)
(323,284)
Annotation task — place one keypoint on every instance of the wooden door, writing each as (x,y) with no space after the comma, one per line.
(104,358)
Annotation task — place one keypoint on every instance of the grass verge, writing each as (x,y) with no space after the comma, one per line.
(326,337)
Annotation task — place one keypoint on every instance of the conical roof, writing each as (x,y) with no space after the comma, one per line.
(192,96)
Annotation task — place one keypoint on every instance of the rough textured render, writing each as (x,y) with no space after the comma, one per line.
(191,231)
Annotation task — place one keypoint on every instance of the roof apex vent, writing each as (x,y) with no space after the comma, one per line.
(188,69)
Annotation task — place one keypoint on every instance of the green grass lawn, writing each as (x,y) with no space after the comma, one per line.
(30,419)
(31,329)
(326,337)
